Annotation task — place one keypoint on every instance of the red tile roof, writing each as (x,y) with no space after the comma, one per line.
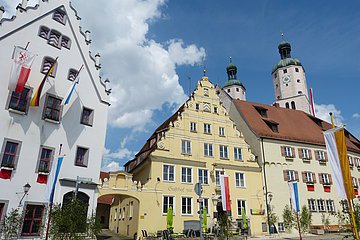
(104,175)
(106,199)
(293,125)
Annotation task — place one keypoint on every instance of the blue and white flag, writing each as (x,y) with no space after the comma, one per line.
(53,178)
(294,196)
(71,90)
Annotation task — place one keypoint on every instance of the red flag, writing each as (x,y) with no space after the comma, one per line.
(42,179)
(5,174)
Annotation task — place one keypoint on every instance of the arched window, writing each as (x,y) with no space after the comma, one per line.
(287,105)
(65,42)
(83,197)
(293,105)
(228,90)
(44,32)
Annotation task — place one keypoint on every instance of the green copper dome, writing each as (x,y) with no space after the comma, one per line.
(232,82)
(286,62)
(231,70)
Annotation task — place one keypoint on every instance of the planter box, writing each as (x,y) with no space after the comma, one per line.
(317,231)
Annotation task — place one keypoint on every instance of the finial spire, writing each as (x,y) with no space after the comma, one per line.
(204,70)
(282,36)
(230,59)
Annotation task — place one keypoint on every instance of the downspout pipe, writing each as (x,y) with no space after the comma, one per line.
(265,183)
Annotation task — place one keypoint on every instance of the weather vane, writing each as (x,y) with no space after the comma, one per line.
(204,71)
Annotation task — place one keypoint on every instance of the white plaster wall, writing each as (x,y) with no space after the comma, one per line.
(241,94)
(30,129)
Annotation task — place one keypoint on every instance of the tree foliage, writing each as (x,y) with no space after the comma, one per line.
(305,219)
(11,224)
(288,218)
(224,224)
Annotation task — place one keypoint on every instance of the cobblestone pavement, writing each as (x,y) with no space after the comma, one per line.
(334,236)
(108,235)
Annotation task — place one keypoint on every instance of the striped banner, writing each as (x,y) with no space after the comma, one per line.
(225,192)
(294,196)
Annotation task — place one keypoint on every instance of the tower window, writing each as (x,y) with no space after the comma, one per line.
(296,69)
(285,71)
(287,85)
(278,97)
(298,80)
(275,75)
(299,92)
(228,90)
(277,85)
(293,105)
(287,105)
(237,89)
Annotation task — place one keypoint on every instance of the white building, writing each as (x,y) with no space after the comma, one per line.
(30,137)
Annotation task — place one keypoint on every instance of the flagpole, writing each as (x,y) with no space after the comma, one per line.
(298,223)
(349,201)
(27,45)
(50,207)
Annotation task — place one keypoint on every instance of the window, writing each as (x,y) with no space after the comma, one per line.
(59,16)
(82,155)
(296,69)
(208,150)
(120,213)
(203,176)
(47,64)
(228,90)
(330,205)
(287,105)
(237,153)
(221,131)
(312,205)
(321,205)
(357,162)
(52,110)
(215,110)
(44,32)
(298,80)
(72,74)
(2,207)
(305,153)
(207,128)
(281,227)
(262,111)
(290,175)
(224,151)
(186,175)
(169,173)
(168,201)
(10,153)
(185,147)
(55,39)
(320,155)
(206,92)
(207,107)
(193,126)
(186,205)
(32,220)
(241,206)
(285,70)
(205,203)
(239,179)
(275,75)
(20,101)
(197,107)
(116,214)
(308,177)
(293,105)
(287,152)
(123,213)
(272,125)
(351,162)
(217,177)
(325,179)
(65,42)
(87,116)
(237,89)
(355,182)
(131,209)
(46,155)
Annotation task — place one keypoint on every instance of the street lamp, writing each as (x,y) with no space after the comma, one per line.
(26,188)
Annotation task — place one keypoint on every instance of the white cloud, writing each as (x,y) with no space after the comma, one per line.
(110,161)
(112,167)
(322,111)
(356,115)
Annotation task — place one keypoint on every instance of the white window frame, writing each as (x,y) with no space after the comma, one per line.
(238,154)
(321,205)
(330,205)
(217,179)
(325,178)
(291,175)
(238,182)
(237,206)
(355,182)
(207,128)
(305,153)
(281,227)
(312,205)
(224,153)
(208,150)
(186,205)
(186,174)
(221,131)
(202,178)
(309,177)
(168,173)
(321,155)
(288,151)
(186,147)
(163,202)
(193,126)
(204,199)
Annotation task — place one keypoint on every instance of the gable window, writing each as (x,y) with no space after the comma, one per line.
(206,92)
(312,205)
(47,64)
(32,220)
(207,107)
(224,152)
(221,131)
(239,179)
(44,32)
(87,116)
(197,107)
(65,42)
(186,175)
(46,155)
(185,147)
(193,126)
(169,173)
(59,16)
(10,153)
(168,201)
(82,156)
(241,206)
(203,176)
(325,179)
(321,205)
(215,110)
(290,175)
(52,108)
(20,101)
(208,150)
(330,205)
(207,128)
(186,205)
(54,39)
(287,152)
(305,153)
(237,153)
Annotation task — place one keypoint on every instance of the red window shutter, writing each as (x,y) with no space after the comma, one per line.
(303,176)
(293,152)
(314,177)
(296,176)
(325,154)
(356,182)
(316,155)
(285,175)
(310,154)
(282,151)
(320,179)
(300,153)
(330,179)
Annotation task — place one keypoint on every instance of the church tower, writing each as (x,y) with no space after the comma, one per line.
(290,81)
(233,87)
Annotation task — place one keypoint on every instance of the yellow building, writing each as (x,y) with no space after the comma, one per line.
(197,144)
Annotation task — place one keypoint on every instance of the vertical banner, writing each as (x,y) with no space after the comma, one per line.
(225,192)
(21,68)
(52,180)
(294,196)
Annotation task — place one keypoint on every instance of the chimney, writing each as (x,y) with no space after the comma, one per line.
(2,10)
(97,61)
(87,37)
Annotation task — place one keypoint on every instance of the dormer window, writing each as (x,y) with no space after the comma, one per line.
(262,111)
(272,125)
(60,16)
(44,32)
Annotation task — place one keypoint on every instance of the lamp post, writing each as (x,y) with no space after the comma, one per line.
(26,188)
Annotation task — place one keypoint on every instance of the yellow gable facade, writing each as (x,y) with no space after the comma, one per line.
(197,144)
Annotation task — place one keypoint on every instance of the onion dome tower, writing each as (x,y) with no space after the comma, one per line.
(233,87)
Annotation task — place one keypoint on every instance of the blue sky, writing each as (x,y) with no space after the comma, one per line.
(150,47)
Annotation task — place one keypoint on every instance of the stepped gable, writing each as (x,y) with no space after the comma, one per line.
(293,125)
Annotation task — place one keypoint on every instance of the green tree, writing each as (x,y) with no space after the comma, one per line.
(305,219)
(325,221)
(10,227)
(224,224)
(288,218)
(273,219)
